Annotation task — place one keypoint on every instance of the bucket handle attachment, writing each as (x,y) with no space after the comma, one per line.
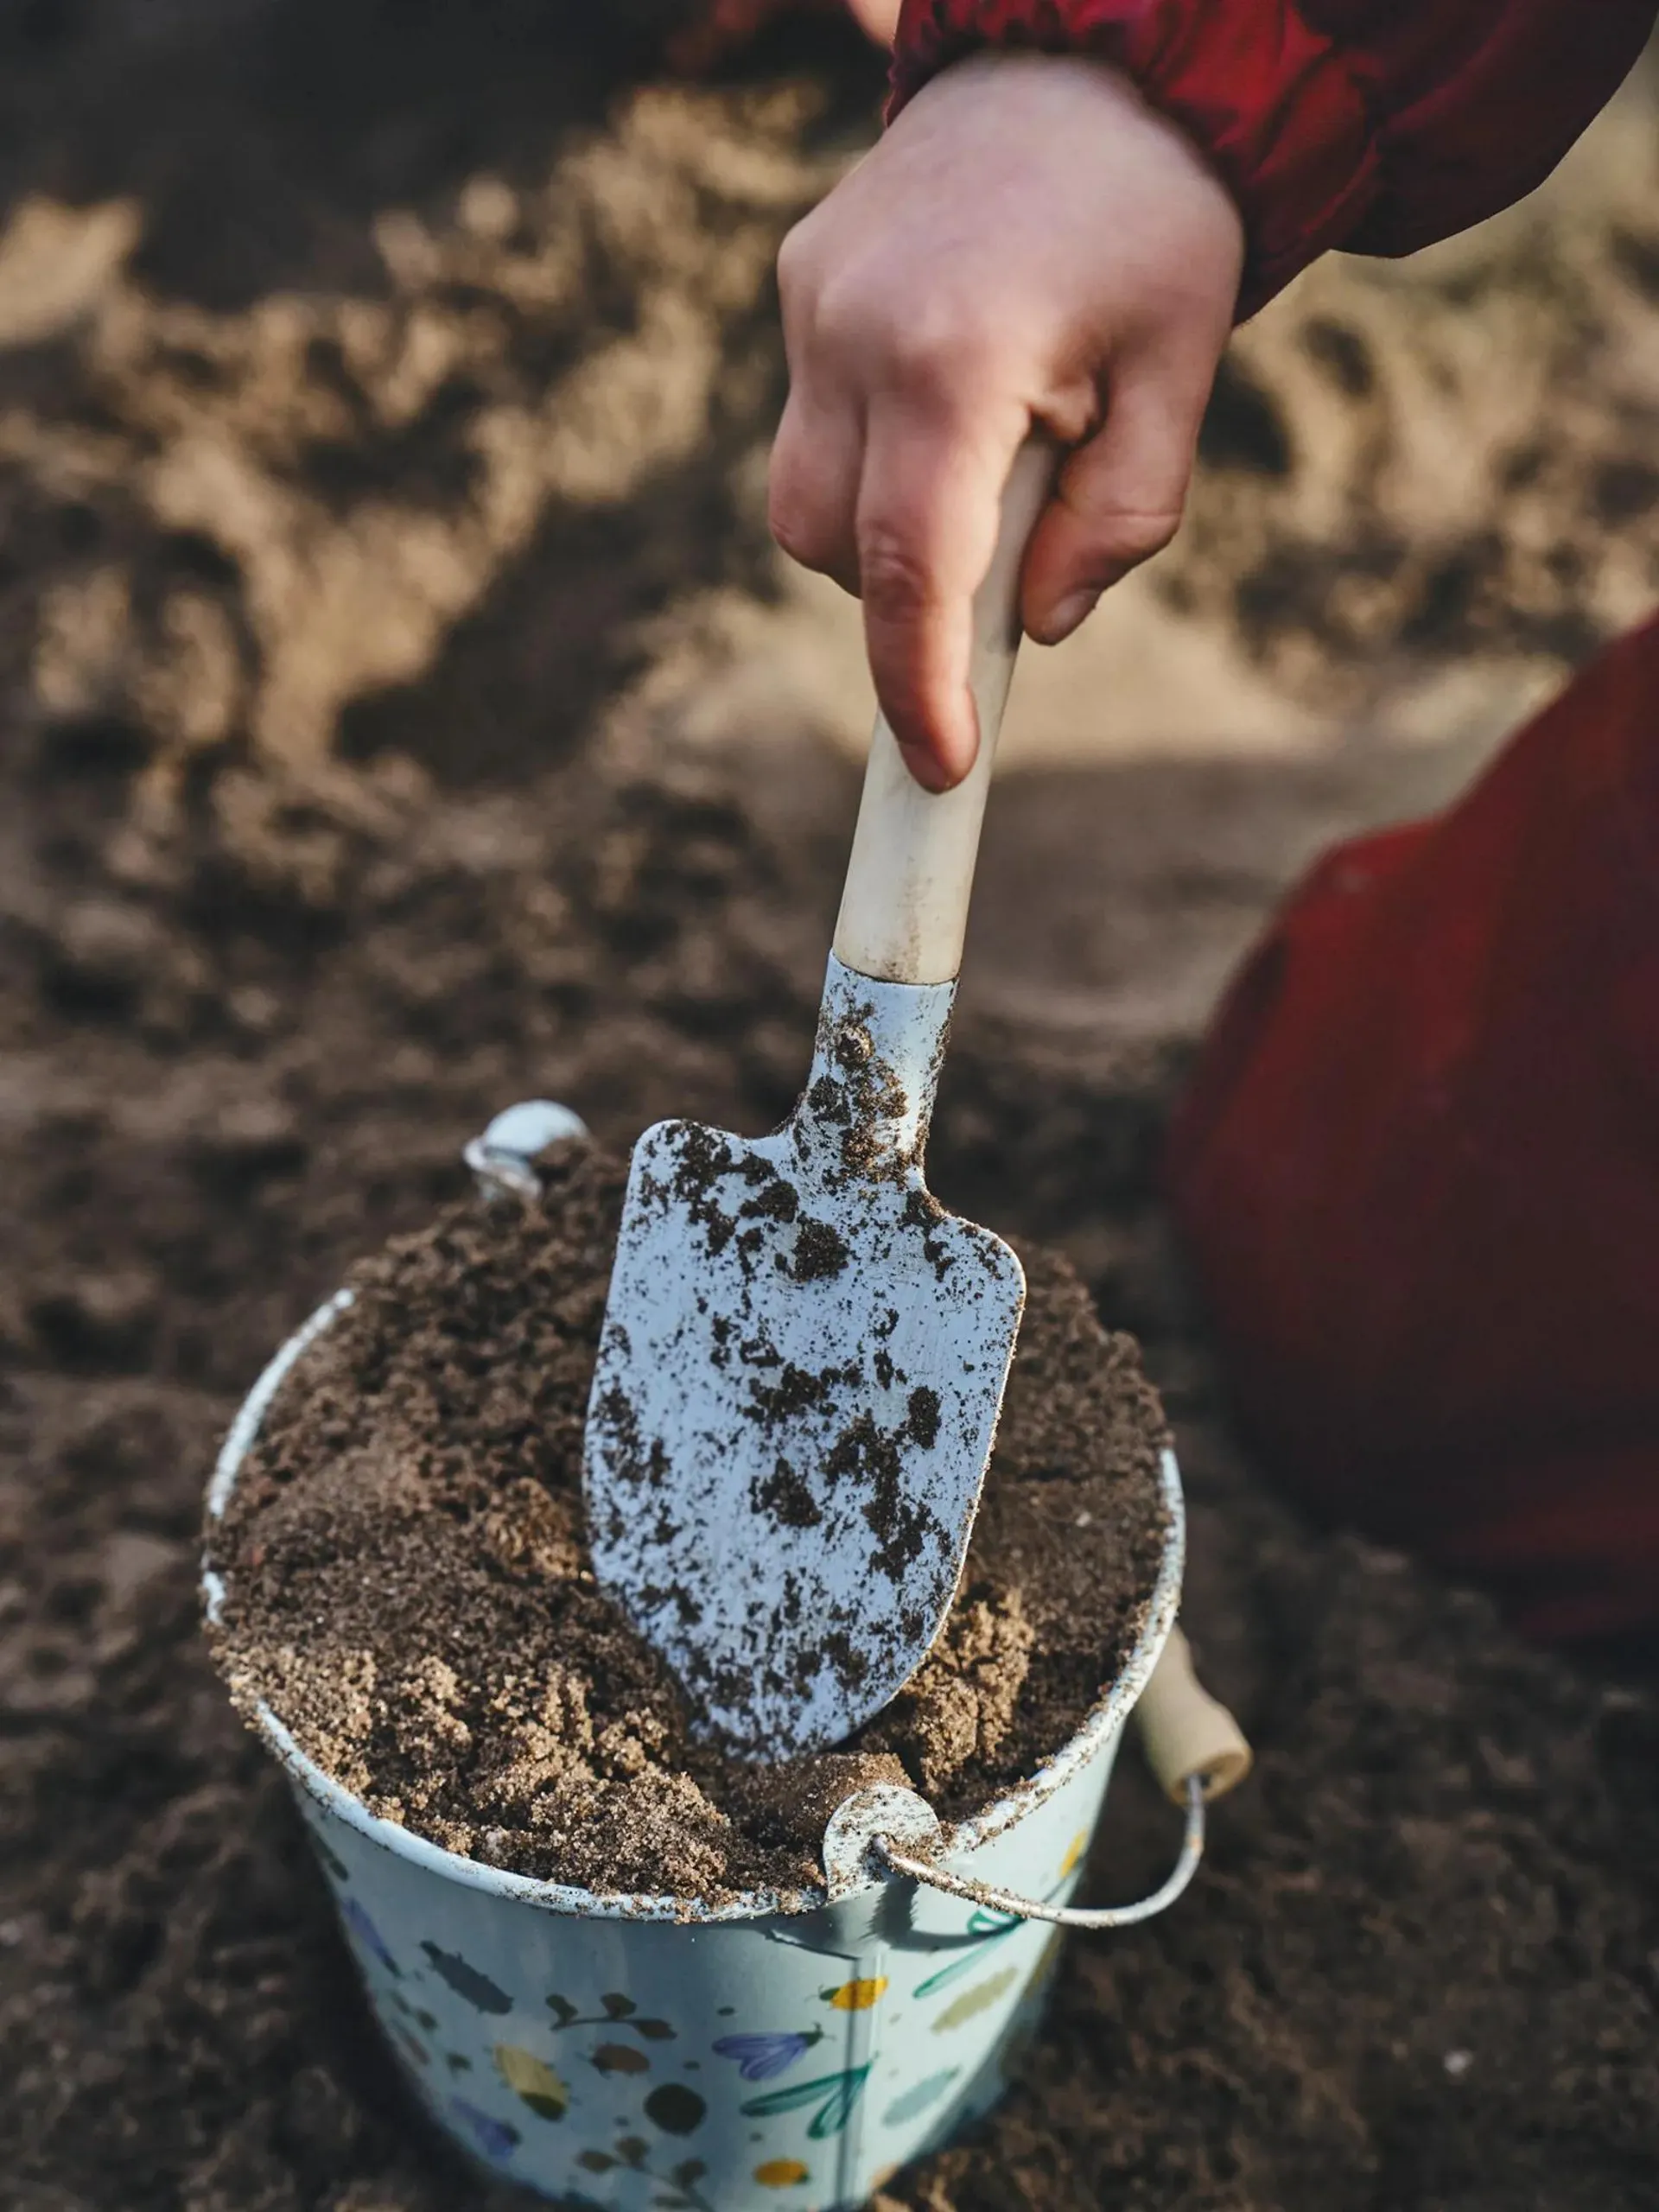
(1193,1744)
(503,1159)
(991,1900)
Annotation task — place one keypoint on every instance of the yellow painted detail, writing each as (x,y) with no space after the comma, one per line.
(856,1996)
(782,2173)
(1074,1851)
(980,1998)
(532,2078)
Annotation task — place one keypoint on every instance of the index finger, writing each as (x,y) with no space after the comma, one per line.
(929,505)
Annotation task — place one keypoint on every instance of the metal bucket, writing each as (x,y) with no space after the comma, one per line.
(638,2051)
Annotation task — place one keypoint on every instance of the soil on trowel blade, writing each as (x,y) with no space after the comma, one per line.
(409,1587)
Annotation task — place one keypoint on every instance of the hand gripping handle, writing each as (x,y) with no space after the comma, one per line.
(904,909)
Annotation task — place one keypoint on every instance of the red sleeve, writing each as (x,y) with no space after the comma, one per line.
(1378,125)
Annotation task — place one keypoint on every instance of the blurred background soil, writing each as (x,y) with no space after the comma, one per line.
(402,712)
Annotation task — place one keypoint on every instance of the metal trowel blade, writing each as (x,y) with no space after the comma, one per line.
(798,1389)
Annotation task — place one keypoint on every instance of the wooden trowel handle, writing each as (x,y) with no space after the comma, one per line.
(904,910)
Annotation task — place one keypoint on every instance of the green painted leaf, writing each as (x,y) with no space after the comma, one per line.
(965,1961)
(562,2009)
(654,2030)
(595,2162)
(632,2149)
(838,2108)
(917,2098)
(981,1922)
(617,2006)
(688,2174)
(835,2094)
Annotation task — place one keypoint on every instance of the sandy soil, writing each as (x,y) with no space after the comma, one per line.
(403,713)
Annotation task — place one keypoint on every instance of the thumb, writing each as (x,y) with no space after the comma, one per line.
(1117,502)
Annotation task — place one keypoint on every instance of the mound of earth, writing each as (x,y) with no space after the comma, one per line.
(410,1522)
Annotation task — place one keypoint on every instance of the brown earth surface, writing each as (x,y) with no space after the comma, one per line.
(402,715)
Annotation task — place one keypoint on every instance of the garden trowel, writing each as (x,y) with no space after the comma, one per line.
(803,1354)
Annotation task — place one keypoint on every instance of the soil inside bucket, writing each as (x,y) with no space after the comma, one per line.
(409,1588)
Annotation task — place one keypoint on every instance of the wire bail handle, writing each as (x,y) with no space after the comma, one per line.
(1193,1744)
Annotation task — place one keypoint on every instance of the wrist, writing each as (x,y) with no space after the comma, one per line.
(1111,163)
(1268,104)
(1120,101)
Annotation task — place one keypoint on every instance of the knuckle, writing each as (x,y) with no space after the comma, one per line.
(893,577)
(794,263)
(929,351)
(796,519)
(937,356)
(801,284)
(799,532)
(1135,536)
(846,317)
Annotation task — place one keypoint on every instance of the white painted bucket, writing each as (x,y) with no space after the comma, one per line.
(635,2051)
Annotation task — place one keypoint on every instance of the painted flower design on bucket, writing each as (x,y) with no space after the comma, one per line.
(856,1996)
(972,2002)
(330,1858)
(782,2173)
(615,2010)
(676,2109)
(676,2191)
(475,1988)
(996,1927)
(835,2096)
(619,2116)
(497,2138)
(764,2058)
(988,1928)
(917,2098)
(368,1934)
(533,2080)
(619,2058)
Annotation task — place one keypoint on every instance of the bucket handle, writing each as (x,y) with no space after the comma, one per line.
(991,1900)
(1193,1745)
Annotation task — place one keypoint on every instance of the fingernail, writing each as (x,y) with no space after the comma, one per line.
(1075,608)
(925,768)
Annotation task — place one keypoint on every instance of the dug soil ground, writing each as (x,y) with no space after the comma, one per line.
(383,391)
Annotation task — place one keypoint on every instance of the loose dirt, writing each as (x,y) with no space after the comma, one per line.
(373,378)
(409,1586)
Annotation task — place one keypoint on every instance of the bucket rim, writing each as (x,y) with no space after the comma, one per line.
(1103,1724)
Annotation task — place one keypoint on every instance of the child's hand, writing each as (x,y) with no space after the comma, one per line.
(1029,243)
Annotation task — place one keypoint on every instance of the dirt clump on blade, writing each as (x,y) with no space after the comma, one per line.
(409,1587)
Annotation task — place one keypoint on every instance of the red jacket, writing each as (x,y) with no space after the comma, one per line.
(1376,125)
(1416,1166)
